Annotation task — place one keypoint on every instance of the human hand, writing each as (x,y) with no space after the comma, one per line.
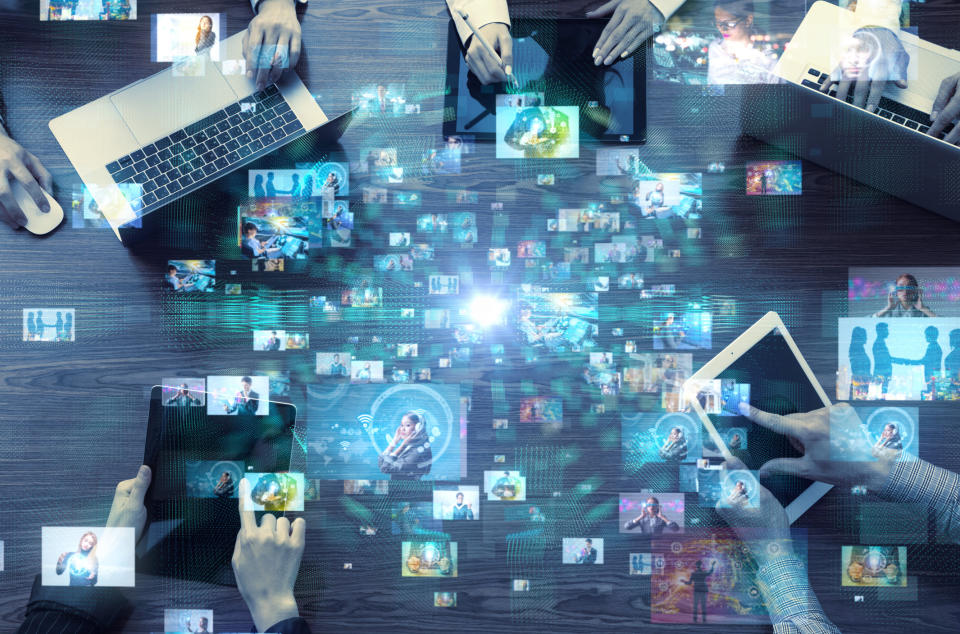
(872,57)
(19,165)
(812,431)
(765,525)
(266,559)
(60,560)
(127,508)
(631,23)
(891,301)
(485,66)
(946,108)
(275,25)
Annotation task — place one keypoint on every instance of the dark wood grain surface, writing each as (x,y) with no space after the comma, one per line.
(73,416)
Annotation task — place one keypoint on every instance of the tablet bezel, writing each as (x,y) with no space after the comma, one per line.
(455,53)
(716,366)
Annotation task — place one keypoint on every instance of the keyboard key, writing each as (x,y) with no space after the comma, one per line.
(246,126)
(209,157)
(178,136)
(176,161)
(223,137)
(209,169)
(886,114)
(244,152)
(200,137)
(153,160)
(292,128)
(272,89)
(126,161)
(211,131)
(924,128)
(243,139)
(196,163)
(232,144)
(189,155)
(152,172)
(183,170)
(149,199)
(898,119)
(162,180)
(124,174)
(221,163)
(281,108)
(903,110)
(206,122)
(223,125)
(257,121)
(149,186)
(188,142)
(165,167)
(810,84)
(163,143)
(162,193)
(177,148)
(150,149)
(913,125)
(186,181)
(289,116)
(233,109)
(256,146)
(260,95)
(140,166)
(270,102)
(232,157)
(256,133)
(114,167)
(235,120)
(196,175)
(165,155)
(137,156)
(221,151)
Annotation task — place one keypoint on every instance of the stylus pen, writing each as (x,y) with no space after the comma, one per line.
(486,45)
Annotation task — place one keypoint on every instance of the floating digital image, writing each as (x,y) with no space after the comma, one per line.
(451,502)
(669,195)
(414,518)
(641,563)
(883,430)
(363,296)
(709,574)
(380,99)
(444,599)
(538,409)
(898,359)
(656,437)
(238,395)
(274,492)
(651,514)
(184,392)
(87,556)
(428,558)
(877,566)
(739,488)
(538,132)
(364,371)
(295,183)
(505,485)
(657,372)
(275,237)
(407,431)
(188,620)
(393,262)
(886,291)
(775,178)
(183,35)
(213,478)
(560,322)
(330,178)
(269,340)
(62,10)
(620,161)
(191,276)
(49,324)
(689,329)
(583,550)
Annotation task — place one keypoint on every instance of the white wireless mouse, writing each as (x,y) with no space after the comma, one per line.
(38,222)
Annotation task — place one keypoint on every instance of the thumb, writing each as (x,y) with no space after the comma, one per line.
(506,53)
(947,88)
(784,466)
(604,9)
(140,484)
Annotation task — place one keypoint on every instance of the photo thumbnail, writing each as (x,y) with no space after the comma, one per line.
(582,550)
(238,395)
(85,556)
(274,492)
(184,392)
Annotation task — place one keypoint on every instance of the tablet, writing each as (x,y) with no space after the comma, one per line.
(553,63)
(764,368)
(199,450)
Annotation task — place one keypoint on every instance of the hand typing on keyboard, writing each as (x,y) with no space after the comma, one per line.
(276,27)
(17,164)
(869,59)
(946,108)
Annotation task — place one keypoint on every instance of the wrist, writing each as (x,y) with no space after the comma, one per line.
(267,611)
(268,4)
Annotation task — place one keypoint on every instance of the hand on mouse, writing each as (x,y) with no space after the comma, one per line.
(17,164)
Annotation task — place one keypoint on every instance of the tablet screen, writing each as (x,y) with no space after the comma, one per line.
(769,377)
(554,68)
(199,454)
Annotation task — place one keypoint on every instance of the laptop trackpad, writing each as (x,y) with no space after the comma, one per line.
(162,104)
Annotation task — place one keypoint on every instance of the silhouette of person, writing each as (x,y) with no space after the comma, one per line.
(295,186)
(68,327)
(699,580)
(271,188)
(932,358)
(40,325)
(59,325)
(31,327)
(952,363)
(882,361)
(859,361)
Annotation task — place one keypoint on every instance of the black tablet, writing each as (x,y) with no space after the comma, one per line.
(553,63)
(199,446)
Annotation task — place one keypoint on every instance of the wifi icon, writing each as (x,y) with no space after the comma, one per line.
(365,419)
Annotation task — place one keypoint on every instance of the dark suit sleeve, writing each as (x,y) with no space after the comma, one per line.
(295,625)
(76,610)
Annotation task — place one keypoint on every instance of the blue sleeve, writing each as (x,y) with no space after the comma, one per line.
(73,609)
(296,625)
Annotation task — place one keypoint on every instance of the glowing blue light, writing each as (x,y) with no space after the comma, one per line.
(486,311)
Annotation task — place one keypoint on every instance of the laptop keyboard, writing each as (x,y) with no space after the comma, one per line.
(888,109)
(202,151)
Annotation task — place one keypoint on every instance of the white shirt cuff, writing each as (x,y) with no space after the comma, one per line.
(481,13)
(667,7)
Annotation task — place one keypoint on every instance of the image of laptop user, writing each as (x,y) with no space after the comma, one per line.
(485,31)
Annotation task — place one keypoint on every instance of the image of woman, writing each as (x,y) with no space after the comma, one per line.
(735,442)
(734,57)
(651,521)
(905,300)
(206,38)
(655,201)
(82,564)
(739,494)
(674,449)
(224,487)
(890,438)
(408,456)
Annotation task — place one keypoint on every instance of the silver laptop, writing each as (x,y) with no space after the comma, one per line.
(887,149)
(156,140)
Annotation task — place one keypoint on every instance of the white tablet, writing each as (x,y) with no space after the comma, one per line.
(764,368)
